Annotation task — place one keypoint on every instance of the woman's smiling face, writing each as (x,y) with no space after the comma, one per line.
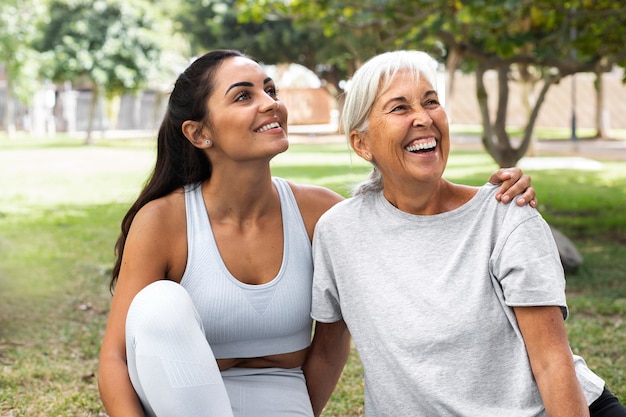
(246,115)
(408,133)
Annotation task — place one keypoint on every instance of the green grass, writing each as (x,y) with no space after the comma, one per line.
(60,210)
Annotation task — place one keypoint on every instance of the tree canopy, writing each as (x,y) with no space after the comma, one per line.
(20,60)
(114,46)
(271,38)
(554,38)
(110,45)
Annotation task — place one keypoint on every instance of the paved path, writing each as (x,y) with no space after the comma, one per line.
(603,150)
(609,150)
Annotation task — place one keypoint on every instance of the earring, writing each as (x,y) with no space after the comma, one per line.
(208,142)
(368,156)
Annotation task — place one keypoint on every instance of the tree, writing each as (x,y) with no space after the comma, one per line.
(108,44)
(602,33)
(17,32)
(485,35)
(268,34)
(215,25)
(330,39)
(555,38)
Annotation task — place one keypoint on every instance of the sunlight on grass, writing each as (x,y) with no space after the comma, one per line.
(81,175)
(333,154)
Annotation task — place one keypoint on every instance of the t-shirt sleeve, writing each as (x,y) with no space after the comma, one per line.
(527,264)
(325,298)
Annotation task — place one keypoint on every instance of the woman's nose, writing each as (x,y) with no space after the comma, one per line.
(421,118)
(270,104)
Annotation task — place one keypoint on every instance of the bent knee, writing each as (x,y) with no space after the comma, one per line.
(162,305)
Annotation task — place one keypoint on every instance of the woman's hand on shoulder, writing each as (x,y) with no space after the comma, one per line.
(513,182)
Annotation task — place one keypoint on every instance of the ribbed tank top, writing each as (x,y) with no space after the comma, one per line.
(242,320)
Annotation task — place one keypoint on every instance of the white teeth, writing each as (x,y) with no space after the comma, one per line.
(268,127)
(422,146)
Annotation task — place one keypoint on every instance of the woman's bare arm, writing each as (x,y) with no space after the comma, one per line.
(551,360)
(327,357)
(145,260)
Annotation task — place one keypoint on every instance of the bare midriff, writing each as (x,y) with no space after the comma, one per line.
(284,360)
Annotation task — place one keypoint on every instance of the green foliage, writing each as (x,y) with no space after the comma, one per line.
(217,24)
(326,43)
(530,40)
(17,32)
(109,43)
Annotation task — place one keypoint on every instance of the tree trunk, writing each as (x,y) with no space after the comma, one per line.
(113,109)
(452,64)
(495,138)
(10,114)
(92,111)
(601,122)
(483,105)
(528,100)
(504,142)
(507,155)
(548,81)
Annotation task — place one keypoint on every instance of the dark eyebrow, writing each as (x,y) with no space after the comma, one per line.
(239,84)
(246,84)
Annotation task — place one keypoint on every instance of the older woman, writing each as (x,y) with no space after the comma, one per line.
(455,303)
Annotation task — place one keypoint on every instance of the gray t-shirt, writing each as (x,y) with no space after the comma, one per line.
(428,301)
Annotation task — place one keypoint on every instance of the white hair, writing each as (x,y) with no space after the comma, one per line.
(369,82)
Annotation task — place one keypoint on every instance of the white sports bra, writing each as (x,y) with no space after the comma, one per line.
(242,320)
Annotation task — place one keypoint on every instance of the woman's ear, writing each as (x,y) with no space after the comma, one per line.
(193,132)
(359,144)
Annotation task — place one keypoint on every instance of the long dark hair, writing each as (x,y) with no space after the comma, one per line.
(178,162)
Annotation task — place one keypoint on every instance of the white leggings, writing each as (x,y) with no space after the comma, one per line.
(174,371)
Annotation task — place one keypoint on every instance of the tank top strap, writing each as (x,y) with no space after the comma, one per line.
(292,217)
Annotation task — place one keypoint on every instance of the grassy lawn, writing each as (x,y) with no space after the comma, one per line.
(60,211)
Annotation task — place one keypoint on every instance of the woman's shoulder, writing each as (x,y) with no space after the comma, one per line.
(510,213)
(313,201)
(156,242)
(163,211)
